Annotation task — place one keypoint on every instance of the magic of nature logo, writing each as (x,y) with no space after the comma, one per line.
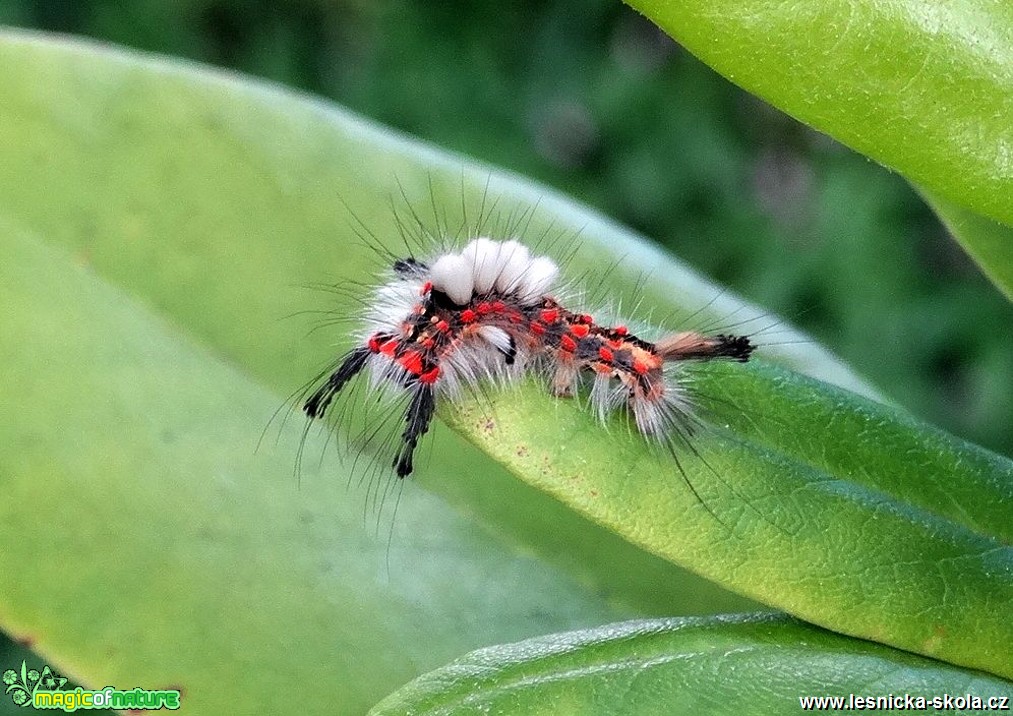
(45,690)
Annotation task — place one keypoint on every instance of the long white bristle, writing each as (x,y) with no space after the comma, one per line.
(391,303)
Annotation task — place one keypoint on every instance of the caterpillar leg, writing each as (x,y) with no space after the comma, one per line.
(564,380)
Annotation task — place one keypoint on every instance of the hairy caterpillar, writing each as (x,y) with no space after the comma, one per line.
(489,311)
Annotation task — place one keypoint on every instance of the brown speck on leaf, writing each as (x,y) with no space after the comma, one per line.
(594,493)
(26,641)
(522,451)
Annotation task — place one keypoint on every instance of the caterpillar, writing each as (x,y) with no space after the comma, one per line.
(490,311)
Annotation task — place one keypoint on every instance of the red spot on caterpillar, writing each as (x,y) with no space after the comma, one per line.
(484,308)
(605,354)
(389,347)
(550,315)
(442,326)
(430,376)
(468,316)
(537,328)
(580,330)
(620,330)
(412,362)
(568,344)
(426,288)
(373,344)
(498,306)
(640,367)
(427,342)
(585,318)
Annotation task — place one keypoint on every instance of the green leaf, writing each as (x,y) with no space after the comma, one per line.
(750,664)
(988,242)
(840,510)
(923,88)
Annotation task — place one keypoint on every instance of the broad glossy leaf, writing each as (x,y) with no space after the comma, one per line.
(925,88)
(842,511)
(749,664)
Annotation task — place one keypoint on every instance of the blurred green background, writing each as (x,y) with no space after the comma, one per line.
(592,99)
